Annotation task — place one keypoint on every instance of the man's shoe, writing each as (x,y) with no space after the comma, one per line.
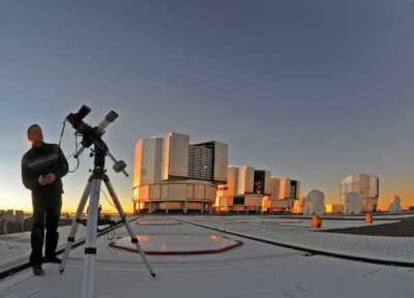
(38,270)
(54,259)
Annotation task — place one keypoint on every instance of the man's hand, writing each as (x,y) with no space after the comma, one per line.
(46,179)
(42,180)
(50,178)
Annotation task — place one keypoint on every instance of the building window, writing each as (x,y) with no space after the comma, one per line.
(238,201)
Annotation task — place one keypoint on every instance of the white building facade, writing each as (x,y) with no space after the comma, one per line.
(254,191)
(366,186)
(170,174)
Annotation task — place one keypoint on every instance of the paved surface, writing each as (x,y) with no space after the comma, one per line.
(403,228)
(251,270)
(15,248)
(297,232)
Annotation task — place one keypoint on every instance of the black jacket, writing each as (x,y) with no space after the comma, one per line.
(41,160)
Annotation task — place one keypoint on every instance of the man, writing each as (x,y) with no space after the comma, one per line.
(43,166)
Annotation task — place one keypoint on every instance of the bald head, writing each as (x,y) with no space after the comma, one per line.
(35,134)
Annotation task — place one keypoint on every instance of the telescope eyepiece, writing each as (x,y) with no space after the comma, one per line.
(83,111)
(76,119)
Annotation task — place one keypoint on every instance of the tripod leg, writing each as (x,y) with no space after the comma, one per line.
(74,227)
(88,286)
(121,212)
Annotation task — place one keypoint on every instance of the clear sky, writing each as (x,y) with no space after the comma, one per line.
(312,89)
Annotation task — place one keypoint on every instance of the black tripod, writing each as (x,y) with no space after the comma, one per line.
(92,190)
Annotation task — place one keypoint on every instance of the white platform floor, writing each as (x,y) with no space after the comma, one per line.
(251,270)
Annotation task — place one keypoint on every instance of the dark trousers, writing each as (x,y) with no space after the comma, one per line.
(46,212)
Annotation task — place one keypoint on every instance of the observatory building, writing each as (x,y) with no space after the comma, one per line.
(314,203)
(395,205)
(352,203)
(253,191)
(172,174)
(359,192)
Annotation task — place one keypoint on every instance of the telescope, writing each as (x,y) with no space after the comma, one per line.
(93,135)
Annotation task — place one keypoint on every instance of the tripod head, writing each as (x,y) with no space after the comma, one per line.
(93,136)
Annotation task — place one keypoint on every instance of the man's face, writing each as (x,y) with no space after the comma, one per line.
(35,135)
